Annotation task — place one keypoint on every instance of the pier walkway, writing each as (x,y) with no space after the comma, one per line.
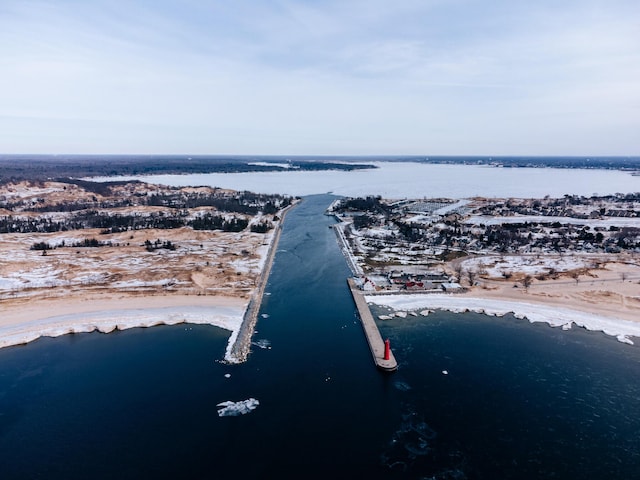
(376,344)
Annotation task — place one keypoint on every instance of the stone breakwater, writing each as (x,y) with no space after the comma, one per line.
(239,345)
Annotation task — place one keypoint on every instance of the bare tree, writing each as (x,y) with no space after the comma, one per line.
(471,276)
(527,281)
(458,270)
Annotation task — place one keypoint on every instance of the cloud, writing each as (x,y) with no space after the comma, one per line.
(317,77)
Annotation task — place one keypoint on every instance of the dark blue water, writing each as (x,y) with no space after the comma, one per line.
(519,401)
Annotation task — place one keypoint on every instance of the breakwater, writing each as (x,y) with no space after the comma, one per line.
(241,346)
(374,339)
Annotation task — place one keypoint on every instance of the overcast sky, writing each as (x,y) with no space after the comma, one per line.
(423,77)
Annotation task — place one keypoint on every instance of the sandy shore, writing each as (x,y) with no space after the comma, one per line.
(603,303)
(23,322)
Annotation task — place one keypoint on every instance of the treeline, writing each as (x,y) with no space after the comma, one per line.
(122,223)
(93,243)
(370,204)
(248,203)
(607,163)
(217,222)
(158,244)
(45,167)
(86,243)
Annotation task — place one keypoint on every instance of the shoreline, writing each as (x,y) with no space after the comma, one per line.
(25,320)
(22,324)
(553,315)
(239,344)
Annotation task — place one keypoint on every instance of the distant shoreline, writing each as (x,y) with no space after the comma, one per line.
(49,167)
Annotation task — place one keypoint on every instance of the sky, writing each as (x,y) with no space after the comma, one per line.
(315,77)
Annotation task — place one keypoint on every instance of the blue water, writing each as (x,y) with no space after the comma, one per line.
(519,401)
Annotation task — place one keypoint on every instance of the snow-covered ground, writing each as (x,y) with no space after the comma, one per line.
(495,266)
(227,317)
(605,223)
(554,316)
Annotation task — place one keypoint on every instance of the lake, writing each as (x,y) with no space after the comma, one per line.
(518,401)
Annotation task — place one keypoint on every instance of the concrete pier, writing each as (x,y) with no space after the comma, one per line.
(376,344)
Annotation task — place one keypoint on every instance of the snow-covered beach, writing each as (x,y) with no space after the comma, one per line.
(553,315)
(55,317)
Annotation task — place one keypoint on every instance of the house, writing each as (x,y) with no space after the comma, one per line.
(452,287)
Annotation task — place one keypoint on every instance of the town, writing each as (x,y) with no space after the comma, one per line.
(435,245)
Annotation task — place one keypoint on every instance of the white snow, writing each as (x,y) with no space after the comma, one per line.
(593,223)
(233,409)
(140,283)
(229,318)
(554,316)
(495,265)
(273,164)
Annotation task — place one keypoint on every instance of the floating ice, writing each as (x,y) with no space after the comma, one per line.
(233,409)
(263,343)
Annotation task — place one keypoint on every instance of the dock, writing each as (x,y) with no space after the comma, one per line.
(374,339)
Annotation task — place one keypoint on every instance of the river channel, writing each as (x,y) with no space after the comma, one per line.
(475,397)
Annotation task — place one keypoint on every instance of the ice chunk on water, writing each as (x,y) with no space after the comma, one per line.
(262,343)
(233,409)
